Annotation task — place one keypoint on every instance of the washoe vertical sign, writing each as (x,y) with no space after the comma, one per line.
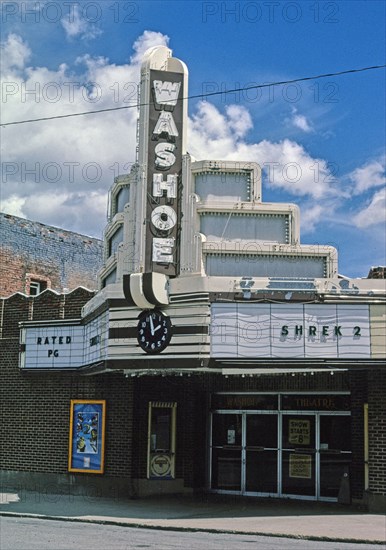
(164,172)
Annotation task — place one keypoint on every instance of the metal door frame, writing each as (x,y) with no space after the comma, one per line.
(243,451)
(279,450)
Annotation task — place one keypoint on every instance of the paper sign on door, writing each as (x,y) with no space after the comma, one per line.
(299,431)
(231,437)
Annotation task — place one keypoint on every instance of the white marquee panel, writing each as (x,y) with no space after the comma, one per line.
(290,331)
(54,347)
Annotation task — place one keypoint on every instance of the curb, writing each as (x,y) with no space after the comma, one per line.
(138,525)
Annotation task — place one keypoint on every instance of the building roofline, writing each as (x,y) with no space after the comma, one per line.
(44,225)
(24,295)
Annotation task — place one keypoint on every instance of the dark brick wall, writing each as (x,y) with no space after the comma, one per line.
(358,389)
(65,260)
(35,407)
(377,432)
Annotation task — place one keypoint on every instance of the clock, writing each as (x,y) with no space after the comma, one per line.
(154,331)
(164,218)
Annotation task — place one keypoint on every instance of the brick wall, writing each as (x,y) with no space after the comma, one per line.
(358,389)
(377,432)
(59,259)
(35,407)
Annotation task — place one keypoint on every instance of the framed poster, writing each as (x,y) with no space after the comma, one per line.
(87,436)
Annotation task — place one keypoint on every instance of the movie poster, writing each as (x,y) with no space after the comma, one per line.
(87,427)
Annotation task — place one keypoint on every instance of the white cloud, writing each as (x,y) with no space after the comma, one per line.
(13,205)
(68,210)
(15,54)
(57,170)
(208,123)
(310,217)
(287,164)
(300,121)
(239,120)
(374,213)
(147,40)
(370,175)
(77,26)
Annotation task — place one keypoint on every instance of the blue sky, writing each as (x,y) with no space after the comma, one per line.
(321,143)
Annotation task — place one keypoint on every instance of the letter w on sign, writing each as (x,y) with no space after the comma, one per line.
(166,94)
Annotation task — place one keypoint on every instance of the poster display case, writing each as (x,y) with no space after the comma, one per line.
(87,436)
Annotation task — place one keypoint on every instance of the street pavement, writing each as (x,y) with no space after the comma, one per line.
(211,513)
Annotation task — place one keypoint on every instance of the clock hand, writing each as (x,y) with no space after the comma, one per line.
(151,325)
(156,328)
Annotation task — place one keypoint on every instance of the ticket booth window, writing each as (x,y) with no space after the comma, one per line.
(161,440)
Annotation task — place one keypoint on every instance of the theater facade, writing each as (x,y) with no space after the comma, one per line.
(220,354)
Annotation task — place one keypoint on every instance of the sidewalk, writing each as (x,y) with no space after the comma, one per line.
(288,518)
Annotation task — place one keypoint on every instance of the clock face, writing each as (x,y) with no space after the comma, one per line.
(164,218)
(154,331)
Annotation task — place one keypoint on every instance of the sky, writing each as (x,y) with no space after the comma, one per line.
(321,143)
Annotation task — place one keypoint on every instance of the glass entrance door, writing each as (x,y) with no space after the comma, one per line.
(261,453)
(298,455)
(227,430)
(280,453)
(244,452)
(335,453)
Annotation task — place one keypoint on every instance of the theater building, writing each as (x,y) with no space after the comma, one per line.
(219,354)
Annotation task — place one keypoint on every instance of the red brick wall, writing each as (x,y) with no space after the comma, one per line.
(31,250)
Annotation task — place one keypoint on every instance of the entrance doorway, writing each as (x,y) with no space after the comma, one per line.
(244,452)
(279,453)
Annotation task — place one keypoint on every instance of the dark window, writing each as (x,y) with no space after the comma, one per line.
(36,287)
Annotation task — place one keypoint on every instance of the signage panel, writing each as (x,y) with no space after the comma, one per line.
(244,402)
(290,330)
(64,346)
(286,331)
(164,166)
(95,339)
(299,431)
(320,402)
(254,325)
(54,347)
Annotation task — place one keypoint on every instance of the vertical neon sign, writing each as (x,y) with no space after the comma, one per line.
(164,172)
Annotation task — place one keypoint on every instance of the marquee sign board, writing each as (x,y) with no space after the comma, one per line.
(164,165)
(290,331)
(64,346)
(53,347)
